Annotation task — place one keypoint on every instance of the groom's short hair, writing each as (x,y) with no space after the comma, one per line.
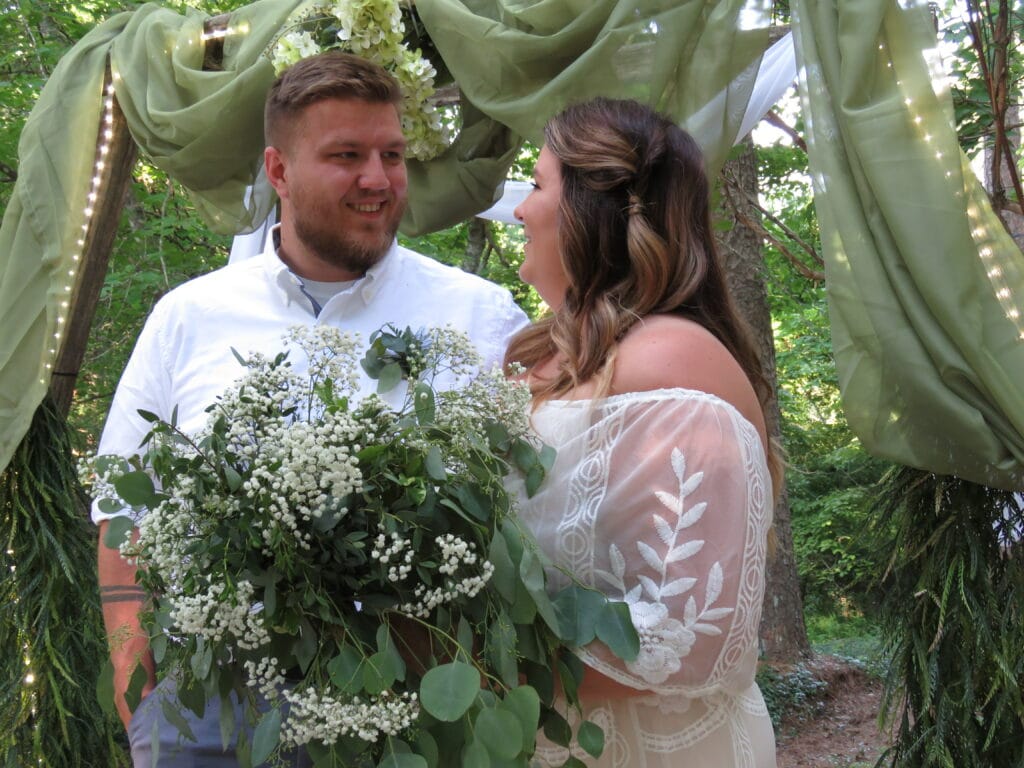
(329,75)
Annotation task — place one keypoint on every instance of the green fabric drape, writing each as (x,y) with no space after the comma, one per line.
(521,62)
(925,287)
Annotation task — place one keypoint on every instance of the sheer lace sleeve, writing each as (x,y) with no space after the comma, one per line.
(662,500)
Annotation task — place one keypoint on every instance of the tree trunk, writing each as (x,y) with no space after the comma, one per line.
(783,633)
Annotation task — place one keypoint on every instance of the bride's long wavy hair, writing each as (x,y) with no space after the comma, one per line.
(635,239)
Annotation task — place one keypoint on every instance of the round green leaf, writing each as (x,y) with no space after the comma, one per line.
(118,530)
(524,703)
(136,488)
(500,732)
(402,760)
(474,755)
(448,691)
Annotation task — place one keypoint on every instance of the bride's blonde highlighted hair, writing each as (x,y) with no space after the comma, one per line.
(635,239)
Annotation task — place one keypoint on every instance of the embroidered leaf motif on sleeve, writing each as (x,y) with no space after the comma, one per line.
(665,640)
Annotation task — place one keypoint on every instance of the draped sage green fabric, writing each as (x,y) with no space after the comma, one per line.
(520,62)
(925,287)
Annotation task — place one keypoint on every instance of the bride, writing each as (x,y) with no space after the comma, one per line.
(645,382)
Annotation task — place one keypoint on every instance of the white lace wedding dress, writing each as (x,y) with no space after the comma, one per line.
(663,499)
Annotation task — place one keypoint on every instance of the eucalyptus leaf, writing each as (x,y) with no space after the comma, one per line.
(500,732)
(133,693)
(523,702)
(533,479)
(148,415)
(578,610)
(434,464)
(105,688)
(474,755)
(118,531)
(202,659)
(345,670)
(158,645)
(232,478)
(136,488)
(402,760)
(389,377)
(307,645)
(590,736)
(556,728)
(500,649)
(531,571)
(504,576)
(570,682)
(226,721)
(173,715)
(464,636)
(427,746)
(615,629)
(266,736)
(448,691)
(423,402)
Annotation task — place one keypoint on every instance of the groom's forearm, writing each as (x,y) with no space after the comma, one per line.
(122,601)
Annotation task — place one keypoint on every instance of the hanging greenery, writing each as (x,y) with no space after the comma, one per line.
(954,614)
(52,643)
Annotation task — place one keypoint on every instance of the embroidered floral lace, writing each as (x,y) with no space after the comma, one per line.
(663,500)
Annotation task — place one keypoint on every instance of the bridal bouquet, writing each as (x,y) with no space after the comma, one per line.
(356,572)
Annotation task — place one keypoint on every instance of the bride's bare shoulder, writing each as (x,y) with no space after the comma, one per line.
(668,352)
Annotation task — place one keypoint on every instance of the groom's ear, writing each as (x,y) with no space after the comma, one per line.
(275,165)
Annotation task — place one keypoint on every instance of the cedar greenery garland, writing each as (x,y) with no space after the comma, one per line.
(954,616)
(49,610)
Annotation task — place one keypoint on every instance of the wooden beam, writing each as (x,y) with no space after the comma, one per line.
(99,240)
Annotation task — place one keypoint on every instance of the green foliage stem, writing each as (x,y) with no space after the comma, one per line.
(954,615)
(50,622)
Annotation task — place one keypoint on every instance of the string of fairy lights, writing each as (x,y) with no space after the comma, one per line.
(981,220)
(106,136)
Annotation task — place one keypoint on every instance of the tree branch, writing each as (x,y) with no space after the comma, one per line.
(8,175)
(773,118)
(729,188)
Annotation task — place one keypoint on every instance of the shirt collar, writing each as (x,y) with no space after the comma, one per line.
(367,287)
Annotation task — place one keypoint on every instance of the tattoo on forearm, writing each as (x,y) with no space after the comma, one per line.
(122,593)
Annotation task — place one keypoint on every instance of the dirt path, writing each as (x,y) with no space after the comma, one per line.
(845,733)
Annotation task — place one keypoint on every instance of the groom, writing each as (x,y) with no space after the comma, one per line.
(335,156)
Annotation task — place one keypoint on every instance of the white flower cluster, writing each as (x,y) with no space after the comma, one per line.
(455,553)
(446,350)
(217,613)
(320,716)
(329,354)
(372,29)
(99,478)
(264,676)
(166,532)
(383,553)
(490,396)
(302,469)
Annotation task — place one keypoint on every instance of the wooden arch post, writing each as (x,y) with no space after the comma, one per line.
(115,177)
